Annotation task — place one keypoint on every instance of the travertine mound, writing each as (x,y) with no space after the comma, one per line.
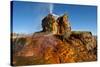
(56,43)
(46,48)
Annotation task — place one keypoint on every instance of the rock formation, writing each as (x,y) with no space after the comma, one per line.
(63,24)
(59,26)
(64,28)
(46,48)
(49,24)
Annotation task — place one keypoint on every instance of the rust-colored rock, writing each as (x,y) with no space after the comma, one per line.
(44,48)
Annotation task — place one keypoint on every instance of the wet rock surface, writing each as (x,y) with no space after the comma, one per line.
(48,49)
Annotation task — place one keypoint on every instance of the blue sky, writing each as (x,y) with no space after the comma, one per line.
(27,16)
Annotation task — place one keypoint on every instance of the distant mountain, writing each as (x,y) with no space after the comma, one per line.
(18,35)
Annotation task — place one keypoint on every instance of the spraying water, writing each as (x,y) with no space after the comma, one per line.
(51,11)
(51,8)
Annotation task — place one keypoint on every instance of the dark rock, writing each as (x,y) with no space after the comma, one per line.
(63,24)
(49,24)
